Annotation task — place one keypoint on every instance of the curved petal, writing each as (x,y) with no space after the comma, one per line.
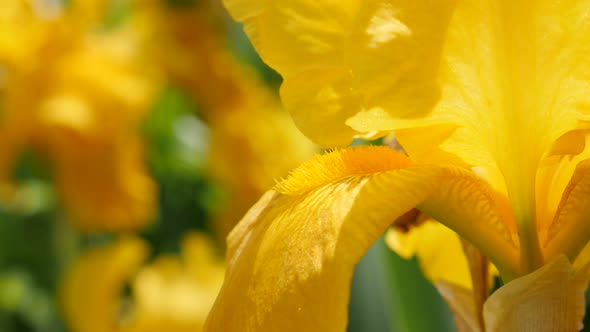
(89,302)
(290,260)
(339,58)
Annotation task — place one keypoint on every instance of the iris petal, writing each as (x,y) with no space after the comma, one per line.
(339,58)
(291,258)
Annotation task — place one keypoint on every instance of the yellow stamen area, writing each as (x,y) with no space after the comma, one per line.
(330,167)
(454,196)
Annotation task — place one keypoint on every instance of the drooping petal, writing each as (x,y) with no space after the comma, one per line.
(290,260)
(549,299)
(437,248)
(339,58)
(92,289)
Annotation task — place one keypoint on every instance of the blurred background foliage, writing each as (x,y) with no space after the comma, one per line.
(183,136)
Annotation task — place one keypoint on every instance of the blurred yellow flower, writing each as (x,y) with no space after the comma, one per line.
(247,125)
(489,99)
(77,97)
(186,44)
(170,294)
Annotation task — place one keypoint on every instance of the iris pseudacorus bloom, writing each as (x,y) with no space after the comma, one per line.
(489,99)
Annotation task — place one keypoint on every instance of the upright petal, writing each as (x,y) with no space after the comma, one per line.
(339,58)
(514,78)
(290,260)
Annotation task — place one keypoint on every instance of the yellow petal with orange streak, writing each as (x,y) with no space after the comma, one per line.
(291,258)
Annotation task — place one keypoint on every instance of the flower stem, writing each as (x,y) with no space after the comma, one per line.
(530,250)
(520,184)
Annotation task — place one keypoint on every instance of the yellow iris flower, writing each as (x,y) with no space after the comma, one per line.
(76,95)
(490,101)
(170,294)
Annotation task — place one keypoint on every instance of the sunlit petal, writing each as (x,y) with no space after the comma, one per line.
(290,260)
(339,58)
(512,77)
(508,103)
